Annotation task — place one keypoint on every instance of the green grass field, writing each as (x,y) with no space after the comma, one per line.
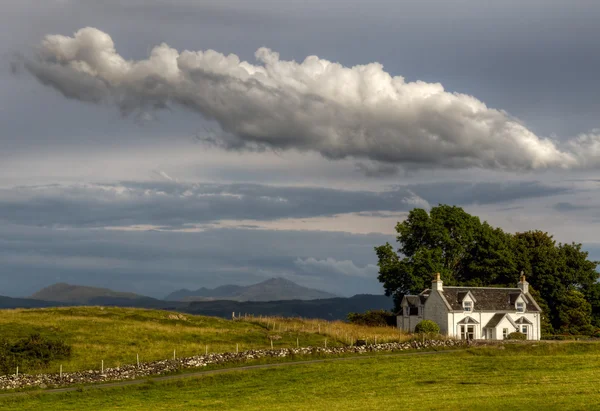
(117,335)
(543,376)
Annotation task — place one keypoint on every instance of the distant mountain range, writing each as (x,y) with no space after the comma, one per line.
(336,308)
(67,293)
(274,289)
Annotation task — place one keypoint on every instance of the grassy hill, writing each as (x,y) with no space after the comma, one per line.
(520,377)
(117,335)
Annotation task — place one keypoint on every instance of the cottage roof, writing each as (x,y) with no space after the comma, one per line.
(468,320)
(523,320)
(413,300)
(488,298)
(497,318)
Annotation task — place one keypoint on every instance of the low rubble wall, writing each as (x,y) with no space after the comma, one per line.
(128,372)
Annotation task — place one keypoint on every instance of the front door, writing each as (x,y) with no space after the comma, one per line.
(467,332)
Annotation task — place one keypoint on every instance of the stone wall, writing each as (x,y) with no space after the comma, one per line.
(128,372)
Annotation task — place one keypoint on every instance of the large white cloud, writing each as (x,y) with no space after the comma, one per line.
(359,112)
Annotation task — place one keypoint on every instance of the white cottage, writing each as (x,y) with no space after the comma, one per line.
(473,312)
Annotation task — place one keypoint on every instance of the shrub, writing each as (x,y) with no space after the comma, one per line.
(516,336)
(565,337)
(427,327)
(33,351)
(375,318)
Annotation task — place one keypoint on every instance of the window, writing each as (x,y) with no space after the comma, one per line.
(524,329)
(504,333)
(468,306)
(520,307)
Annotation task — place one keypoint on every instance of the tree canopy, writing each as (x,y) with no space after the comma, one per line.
(468,252)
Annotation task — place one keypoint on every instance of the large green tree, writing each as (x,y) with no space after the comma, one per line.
(466,251)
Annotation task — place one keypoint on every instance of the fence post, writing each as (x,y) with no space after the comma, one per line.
(174,355)
(237,346)
(325,342)
(206,349)
(138,359)
(60,372)
(297,342)
(271,343)
(102,366)
(17,371)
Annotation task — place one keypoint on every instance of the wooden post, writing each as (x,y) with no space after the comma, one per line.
(237,347)
(138,360)
(206,349)
(325,342)
(17,371)
(271,343)
(233,315)
(297,342)
(102,366)
(60,373)
(174,355)
(319,328)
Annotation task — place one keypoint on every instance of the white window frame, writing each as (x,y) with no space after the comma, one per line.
(520,306)
(505,333)
(468,306)
(524,329)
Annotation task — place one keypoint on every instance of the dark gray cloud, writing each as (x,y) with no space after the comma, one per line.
(569,207)
(156,263)
(176,205)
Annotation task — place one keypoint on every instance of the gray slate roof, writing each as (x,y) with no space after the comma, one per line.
(488,298)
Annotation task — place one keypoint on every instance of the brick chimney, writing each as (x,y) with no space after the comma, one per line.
(437,283)
(523,284)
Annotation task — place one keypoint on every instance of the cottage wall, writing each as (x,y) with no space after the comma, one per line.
(436,311)
(484,317)
(505,323)
(481,317)
(534,328)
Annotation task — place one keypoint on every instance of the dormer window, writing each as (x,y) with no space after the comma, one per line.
(468,306)
(520,307)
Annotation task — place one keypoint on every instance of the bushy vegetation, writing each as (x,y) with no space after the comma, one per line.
(373,318)
(34,351)
(468,252)
(427,327)
(516,336)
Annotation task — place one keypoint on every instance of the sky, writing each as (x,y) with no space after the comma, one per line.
(154,145)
